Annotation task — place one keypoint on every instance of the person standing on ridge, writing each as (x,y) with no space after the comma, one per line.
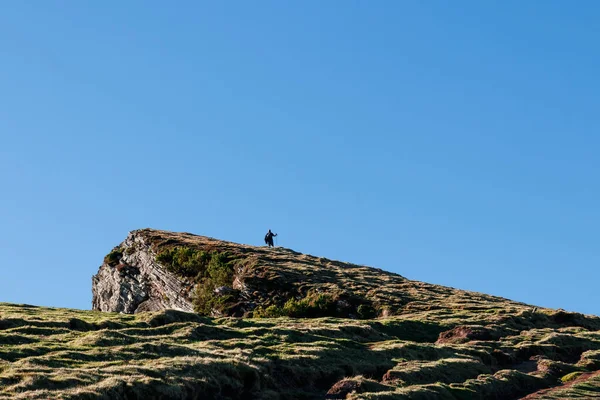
(269,238)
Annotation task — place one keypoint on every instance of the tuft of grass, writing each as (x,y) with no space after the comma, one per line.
(571,377)
(114,257)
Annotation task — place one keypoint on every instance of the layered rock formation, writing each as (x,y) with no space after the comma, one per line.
(132,279)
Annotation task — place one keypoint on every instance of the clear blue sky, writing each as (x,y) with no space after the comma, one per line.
(456,144)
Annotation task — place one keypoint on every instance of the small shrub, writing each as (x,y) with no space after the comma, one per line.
(131,249)
(366,311)
(209,270)
(205,300)
(184,261)
(113,257)
(294,308)
(313,305)
(570,377)
(273,311)
(203,297)
(219,270)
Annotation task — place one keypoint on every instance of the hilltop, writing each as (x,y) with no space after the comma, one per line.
(274,324)
(153,270)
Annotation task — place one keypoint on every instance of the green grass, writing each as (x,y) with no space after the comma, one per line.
(208,271)
(58,353)
(113,257)
(570,377)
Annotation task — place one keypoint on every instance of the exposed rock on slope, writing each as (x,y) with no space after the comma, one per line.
(131,280)
(255,281)
(428,342)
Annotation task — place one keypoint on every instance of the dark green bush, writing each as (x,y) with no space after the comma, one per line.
(219,270)
(311,306)
(184,261)
(366,311)
(113,257)
(273,311)
(205,300)
(209,270)
(217,273)
(295,308)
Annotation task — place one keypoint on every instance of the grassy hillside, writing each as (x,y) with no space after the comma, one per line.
(312,328)
(459,352)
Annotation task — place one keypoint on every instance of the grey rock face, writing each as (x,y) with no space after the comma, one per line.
(138,283)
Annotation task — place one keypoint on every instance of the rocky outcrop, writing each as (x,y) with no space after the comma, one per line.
(136,282)
(154,270)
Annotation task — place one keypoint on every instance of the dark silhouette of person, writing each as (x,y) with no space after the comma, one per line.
(269,238)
